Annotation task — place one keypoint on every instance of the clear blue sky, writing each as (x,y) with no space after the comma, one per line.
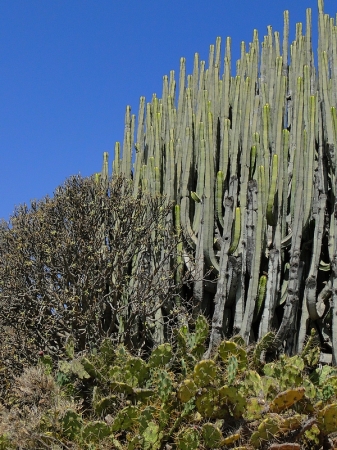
(69,68)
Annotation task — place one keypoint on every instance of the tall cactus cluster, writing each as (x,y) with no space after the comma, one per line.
(249,161)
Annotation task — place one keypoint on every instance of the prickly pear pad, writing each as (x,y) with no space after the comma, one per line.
(229,348)
(233,400)
(187,390)
(286,399)
(204,372)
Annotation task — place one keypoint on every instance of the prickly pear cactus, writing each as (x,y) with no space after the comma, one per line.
(292,422)
(327,419)
(228,348)
(148,404)
(255,408)
(231,438)
(74,367)
(136,372)
(233,400)
(286,399)
(267,430)
(95,431)
(146,416)
(201,332)
(204,372)
(125,419)
(251,385)
(211,435)
(187,439)
(232,368)
(105,405)
(121,388)
(265,343)
(71,424)
(151,436)
(163,380)
(311,351)
(91,369)
(187,390)
(191,345)
(208,404)
(161,356)
(288,371)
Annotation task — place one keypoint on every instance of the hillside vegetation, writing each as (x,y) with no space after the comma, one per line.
(187,301)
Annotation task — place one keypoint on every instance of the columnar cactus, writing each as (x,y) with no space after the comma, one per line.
(249,162)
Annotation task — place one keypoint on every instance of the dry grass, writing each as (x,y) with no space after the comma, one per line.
(36,402)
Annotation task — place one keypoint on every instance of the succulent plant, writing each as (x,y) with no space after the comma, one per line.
(151,436)
(187,390)
(204,372)
(95,431)
(286,399)
(231,438)
(232,367)
(160,356)
(267,430)
(247,164)
(125,419)
(71,423)
(211,435)
(208,403)
(233,400)
(235,154)
(187,439)
(327,418)
(148,404)
(227,349)
(105,405)
(163,382)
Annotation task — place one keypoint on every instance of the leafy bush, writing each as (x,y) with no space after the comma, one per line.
(94,261)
